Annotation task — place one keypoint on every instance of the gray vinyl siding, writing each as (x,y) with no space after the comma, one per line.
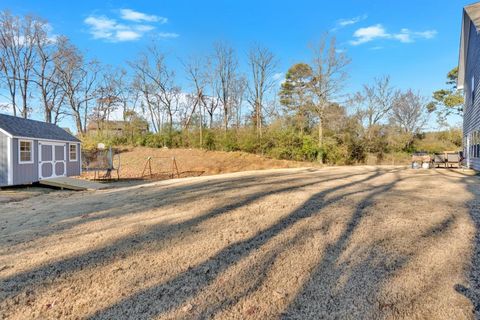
(3,159)
(471,117)
(27,173)
(24,173)
(73,167)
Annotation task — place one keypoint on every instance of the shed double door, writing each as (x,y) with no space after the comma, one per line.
(52,160)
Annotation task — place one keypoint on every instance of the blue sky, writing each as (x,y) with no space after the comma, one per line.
(414,41)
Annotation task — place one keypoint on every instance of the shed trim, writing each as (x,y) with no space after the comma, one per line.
(8,134)
(70,145)
(10,161)
(32,151)
(48,140)
(53,161)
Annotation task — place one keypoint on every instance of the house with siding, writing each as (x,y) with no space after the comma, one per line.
(31,151)
(118,128)
(468,80)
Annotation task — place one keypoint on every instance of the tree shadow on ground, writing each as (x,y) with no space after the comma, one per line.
(146,197)
(173,293)
(472,291)
(16,284)
(322,286)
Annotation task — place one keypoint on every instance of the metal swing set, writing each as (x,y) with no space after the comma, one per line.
(101,160)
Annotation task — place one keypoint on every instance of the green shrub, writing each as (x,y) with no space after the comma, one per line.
(210,142)
(310,150)
(154,141)
(228,141)
(343,145)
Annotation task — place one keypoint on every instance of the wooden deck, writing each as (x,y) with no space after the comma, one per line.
(73,184)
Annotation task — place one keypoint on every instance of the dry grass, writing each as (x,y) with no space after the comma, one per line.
(12,194)
(334,243)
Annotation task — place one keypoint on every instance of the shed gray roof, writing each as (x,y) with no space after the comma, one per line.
(26,128)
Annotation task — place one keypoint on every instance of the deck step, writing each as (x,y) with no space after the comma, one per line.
(73,184)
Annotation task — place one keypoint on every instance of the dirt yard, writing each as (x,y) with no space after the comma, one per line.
(332,243)
(194,162)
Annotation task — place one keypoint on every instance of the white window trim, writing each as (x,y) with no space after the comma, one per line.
(76,152)
(31,152)
(10,161)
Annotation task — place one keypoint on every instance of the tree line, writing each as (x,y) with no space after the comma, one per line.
(228,101)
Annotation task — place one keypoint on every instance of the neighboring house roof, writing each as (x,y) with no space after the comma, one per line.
(471,14)
(26,128)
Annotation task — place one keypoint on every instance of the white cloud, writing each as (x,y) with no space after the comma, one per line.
(403,36)
(368,34)
(168,35)
(127,35)
(144,28)
(375,32)
(132,15)
(342,23)
(101,27)
(429,34)
(108,29)
(130,29)
(348,22)
(408,36)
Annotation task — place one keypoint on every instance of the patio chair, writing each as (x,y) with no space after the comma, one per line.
(439,158)
(453,158)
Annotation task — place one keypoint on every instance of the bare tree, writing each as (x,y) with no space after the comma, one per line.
(128,96)
(78,79)
(239,87)
(47,77)
(30,29)
(195,70)
(18,38)
(108,96)
(188,103)
(157,84)
(408,112)
(262,67)
(376,100)
(210,99)
(226,65)
(10,52)
(143,84)
(329,74)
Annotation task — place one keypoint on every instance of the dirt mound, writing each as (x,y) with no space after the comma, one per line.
(193,162)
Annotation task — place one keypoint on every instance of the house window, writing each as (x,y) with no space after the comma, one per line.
(25,151)
(472,145)
(73,152)
(473,89)
(477,144)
